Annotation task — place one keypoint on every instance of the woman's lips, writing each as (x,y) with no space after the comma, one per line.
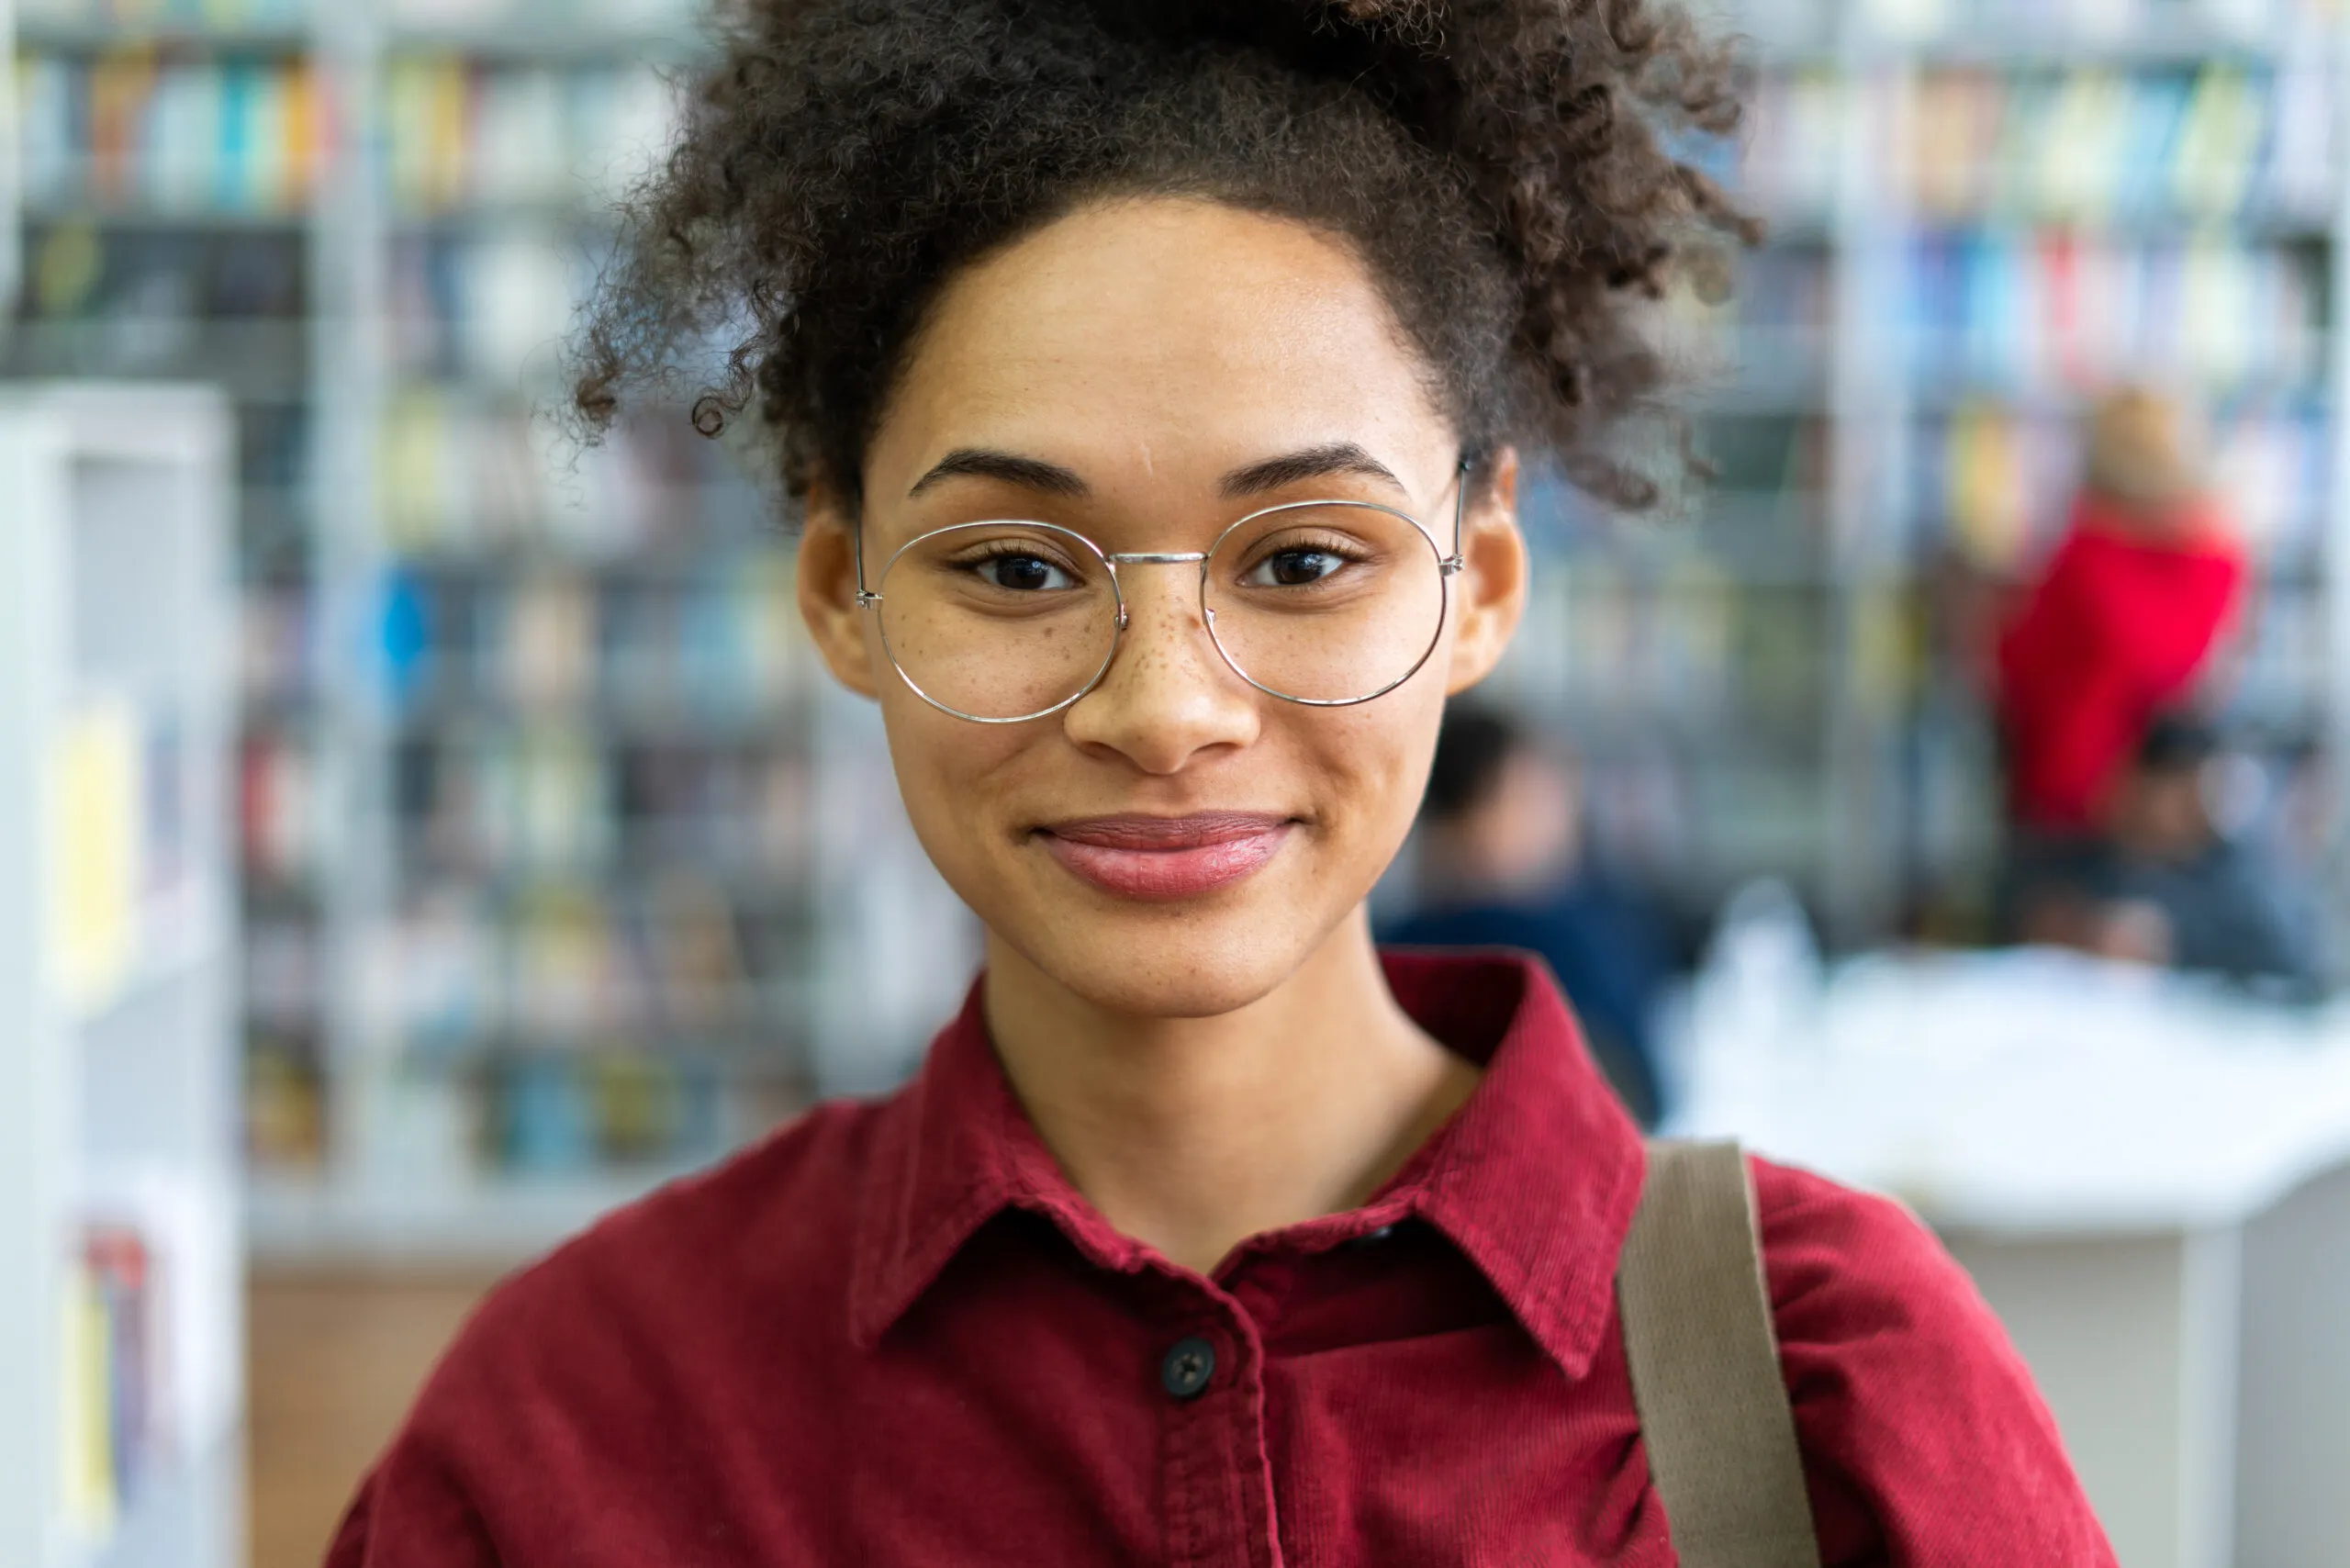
(1162,858)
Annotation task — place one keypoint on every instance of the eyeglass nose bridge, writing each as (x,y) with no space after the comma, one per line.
(1149,558)
(1446,565)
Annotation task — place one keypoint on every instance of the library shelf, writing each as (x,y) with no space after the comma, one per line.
(2138,48)
(119,1213)
(494,1221)
(65,34)
(579,47)
(200,1500)
(134,219)
(177,937)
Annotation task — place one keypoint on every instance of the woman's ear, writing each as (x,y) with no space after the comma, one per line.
(1489,591)
(827,588)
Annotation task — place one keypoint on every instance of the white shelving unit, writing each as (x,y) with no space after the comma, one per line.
(121,1383)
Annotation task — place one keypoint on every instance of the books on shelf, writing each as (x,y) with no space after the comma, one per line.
(557,799)
(110,1346)
(278,648)
(468,476)
(180,16)
(151,1371)
(2050,313)
(716,652)
(117,1352)
(2274,473)
(285,806)
(2282,684)
(545,1118)
(2098,146)
(133,131)
(557,1116)
(93,792)
(678,960)
(490,309)
(122,818)
(551,17)
(283,971)
(2087,24)
(462,135)
(1682,649)
(286,1098)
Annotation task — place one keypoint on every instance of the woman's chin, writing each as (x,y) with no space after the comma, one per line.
(1199,970)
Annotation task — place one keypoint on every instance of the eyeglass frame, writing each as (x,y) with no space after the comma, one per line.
(1447,567)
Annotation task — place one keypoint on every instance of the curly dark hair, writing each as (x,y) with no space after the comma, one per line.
(1505,168)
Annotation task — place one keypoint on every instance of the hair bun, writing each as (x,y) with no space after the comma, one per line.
(1515,169)
(1401,13)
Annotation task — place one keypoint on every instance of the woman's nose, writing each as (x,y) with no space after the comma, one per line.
(1168,695)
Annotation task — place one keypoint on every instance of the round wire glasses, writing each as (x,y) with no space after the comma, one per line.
(1324,603)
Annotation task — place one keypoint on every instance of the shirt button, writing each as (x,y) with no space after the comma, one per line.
(1186,1368)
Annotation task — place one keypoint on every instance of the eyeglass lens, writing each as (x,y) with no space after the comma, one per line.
(1329,603)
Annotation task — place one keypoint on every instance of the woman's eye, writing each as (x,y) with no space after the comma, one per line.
(1296,568)
(1023,574)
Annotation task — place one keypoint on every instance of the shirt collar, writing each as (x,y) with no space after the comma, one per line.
(1534,1179)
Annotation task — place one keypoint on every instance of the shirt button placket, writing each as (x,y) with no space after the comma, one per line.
(1218,1484)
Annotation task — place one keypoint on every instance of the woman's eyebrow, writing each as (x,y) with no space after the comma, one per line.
(1052,479)
(983,462)
(1313,463)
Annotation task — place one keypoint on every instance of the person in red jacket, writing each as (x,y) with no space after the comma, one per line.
(1157,380)
(2124,620)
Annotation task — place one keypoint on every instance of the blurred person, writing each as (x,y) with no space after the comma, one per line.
(1503,863)
(2160,884)
(1156,381)
(2123,621)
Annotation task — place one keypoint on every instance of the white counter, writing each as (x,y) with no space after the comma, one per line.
(2150,1181)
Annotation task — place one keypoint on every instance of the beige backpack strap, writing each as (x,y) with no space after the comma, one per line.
(1713,1402)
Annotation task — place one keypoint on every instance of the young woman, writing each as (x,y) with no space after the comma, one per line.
(1157,379)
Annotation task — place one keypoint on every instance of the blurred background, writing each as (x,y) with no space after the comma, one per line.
(418,836)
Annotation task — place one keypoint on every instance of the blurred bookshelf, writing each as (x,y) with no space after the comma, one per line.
(1981,212)
(540,795)
(532,821)
(121,1360)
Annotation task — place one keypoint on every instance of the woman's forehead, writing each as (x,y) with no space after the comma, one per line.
(1169,332)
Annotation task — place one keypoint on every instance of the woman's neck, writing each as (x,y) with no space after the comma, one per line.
(1193,1134)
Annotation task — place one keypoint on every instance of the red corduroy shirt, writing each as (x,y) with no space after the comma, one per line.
(894,1333)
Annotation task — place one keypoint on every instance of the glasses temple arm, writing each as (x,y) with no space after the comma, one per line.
(1455,561)
(865,597)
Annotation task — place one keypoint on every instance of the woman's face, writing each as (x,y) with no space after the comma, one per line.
(1176,843)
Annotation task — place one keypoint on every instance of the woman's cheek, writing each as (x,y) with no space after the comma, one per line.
(1375,774)
(942,776)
